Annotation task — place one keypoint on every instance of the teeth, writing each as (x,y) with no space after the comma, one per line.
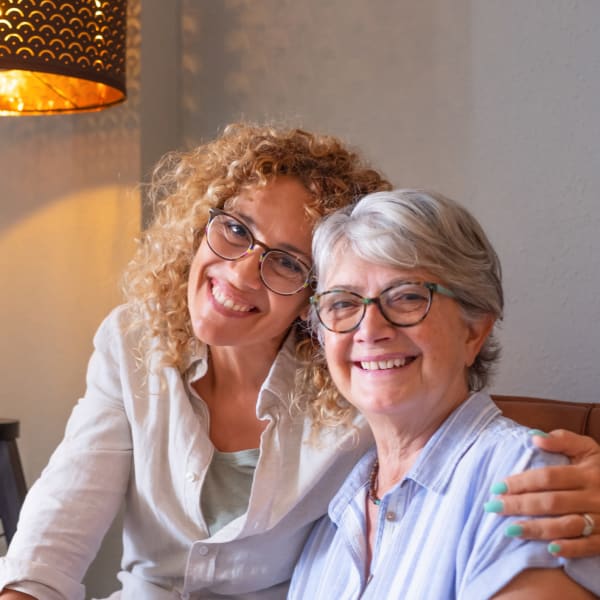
(228,302)
(374,365)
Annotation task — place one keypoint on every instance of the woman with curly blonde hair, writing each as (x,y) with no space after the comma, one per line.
(186,185)
(196,413)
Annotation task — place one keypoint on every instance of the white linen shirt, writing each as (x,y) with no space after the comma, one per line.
(433,540)
(135,436)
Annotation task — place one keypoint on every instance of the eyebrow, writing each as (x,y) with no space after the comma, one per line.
(251,223)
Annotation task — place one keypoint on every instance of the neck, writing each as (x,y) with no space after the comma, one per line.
(399,439)
(396,454)
(240,365)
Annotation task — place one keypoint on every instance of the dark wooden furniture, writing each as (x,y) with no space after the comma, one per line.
(12,480)
(540,413)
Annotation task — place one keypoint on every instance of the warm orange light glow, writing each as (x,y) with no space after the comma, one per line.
(36,93)
(61,57)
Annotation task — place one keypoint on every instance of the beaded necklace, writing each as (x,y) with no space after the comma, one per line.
(373,497)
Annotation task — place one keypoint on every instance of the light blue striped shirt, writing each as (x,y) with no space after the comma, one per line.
(433,539)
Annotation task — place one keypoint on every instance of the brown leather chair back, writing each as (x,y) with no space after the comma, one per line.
(540,413)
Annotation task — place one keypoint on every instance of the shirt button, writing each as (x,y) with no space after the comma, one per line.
(191,476)
(202,550)
(390,516)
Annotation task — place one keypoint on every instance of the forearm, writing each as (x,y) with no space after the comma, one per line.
(67,512)
(13,595)
(69,509)
(57,540)
(543,584)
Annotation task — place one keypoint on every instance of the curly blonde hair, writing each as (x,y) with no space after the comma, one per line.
(183,188)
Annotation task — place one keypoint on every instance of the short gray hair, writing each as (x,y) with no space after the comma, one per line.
(412,229)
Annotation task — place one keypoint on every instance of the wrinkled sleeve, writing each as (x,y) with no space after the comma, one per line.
(70,507)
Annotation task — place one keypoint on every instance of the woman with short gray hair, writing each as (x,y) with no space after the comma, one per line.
(409,520)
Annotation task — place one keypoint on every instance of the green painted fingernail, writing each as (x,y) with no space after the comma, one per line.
(553,548)
(494,506)
(538,432)
(499,488)
(513,530)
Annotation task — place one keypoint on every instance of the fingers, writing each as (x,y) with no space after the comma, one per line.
(563,477)
(575,547)
(575,446)
(582,473)
(564,534)
(559,489)
(562,494)
(571,502)
(568,526)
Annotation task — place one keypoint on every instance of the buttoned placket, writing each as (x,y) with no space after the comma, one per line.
(391,508)
(202,558)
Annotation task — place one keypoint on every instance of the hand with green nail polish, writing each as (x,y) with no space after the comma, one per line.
(560,493)
(499,487)
(554,548)
(514,530)
(494,506)
(538,432)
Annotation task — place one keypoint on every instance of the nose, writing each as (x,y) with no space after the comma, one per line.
(246,270)
(374,327)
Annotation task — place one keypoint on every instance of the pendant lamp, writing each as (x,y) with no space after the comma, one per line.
(61,56)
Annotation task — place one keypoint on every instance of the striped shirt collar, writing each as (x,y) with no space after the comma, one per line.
(436,462)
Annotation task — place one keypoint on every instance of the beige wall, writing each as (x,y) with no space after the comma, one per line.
(69,212)
(491,101)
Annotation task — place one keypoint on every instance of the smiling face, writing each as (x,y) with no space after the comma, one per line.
(228,303)
(414,376)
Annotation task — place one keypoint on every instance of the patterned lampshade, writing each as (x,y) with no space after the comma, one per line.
(61,56)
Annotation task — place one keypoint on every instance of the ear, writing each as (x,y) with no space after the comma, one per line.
(477,332)
(304,313)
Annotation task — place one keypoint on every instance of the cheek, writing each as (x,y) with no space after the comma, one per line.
(335,356)
(201,258)
(195,279)
(445,352)
(193,275)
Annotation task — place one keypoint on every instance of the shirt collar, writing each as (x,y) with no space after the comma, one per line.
(196,364)
(436,463)
(278,384)
(358,478)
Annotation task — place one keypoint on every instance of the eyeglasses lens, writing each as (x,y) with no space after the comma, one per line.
(403,305)
(280,271)
(228,238)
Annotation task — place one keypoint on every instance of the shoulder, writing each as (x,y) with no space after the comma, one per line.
(115,323)
(119,328)
(490,437)
(504,439)
(116,344)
